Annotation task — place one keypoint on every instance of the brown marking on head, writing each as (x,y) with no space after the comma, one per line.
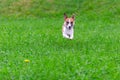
(65,16)
(73,16)
(71,19)
(69,22)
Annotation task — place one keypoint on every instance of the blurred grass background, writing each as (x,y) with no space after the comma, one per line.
(31,29)
(53,8)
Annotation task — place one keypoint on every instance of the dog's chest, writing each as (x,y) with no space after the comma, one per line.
(67,31)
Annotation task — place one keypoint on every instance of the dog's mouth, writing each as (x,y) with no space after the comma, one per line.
(70,27)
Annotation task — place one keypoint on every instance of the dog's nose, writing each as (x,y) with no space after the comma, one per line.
(69,27)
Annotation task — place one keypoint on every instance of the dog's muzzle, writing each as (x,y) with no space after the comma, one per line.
(69,27)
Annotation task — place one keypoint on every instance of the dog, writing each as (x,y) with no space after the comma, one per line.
(68,27)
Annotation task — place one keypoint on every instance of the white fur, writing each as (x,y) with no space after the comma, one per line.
(68,33)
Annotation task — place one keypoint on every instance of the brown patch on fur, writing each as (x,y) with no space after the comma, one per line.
(71,19)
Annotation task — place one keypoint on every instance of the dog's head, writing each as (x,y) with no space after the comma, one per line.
(69,22)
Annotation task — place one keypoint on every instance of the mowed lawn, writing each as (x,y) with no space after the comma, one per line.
(93,54)
(32,30)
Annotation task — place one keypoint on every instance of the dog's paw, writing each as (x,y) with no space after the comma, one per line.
(71,38)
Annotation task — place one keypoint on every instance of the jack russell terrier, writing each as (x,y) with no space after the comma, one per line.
(68,27)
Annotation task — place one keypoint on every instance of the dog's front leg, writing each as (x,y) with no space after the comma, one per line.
(71,37)
(65,35)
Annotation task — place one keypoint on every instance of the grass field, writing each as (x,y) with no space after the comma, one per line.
(94,53)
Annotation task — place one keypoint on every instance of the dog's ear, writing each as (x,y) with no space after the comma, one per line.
(65,16)
(73,16)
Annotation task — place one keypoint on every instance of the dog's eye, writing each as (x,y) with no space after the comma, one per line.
(67,22)
(71,22)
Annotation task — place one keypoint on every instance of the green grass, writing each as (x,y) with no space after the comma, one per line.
(94,53)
